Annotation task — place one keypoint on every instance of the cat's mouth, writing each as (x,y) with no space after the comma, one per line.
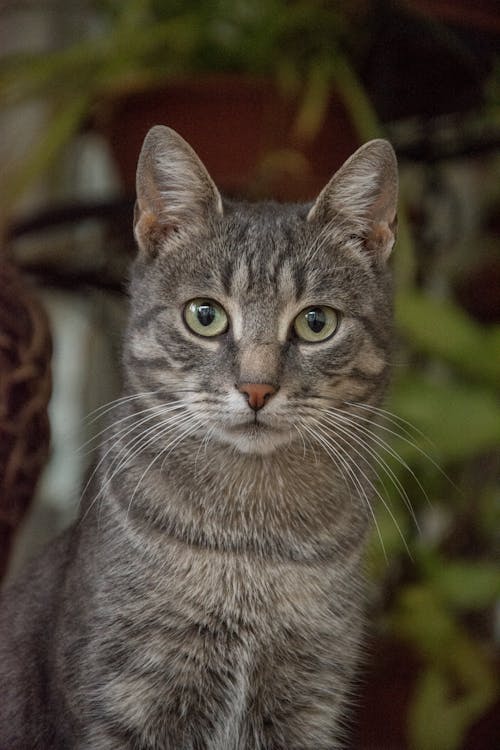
(255,425)
(250,426)
(255,436)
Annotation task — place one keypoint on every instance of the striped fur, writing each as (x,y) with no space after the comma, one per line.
(210,596)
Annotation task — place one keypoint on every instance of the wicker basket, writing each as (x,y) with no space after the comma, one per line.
(25,387)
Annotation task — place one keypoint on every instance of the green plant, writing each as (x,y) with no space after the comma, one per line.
(144,42)
(442,433)
(444,601)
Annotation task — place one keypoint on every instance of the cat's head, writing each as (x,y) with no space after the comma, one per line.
(259,319)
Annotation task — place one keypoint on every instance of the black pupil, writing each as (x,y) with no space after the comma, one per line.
(206,314)
(316,319)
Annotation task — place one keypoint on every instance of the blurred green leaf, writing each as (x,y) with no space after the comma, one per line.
(390,534)
(459,420)
(356,99)
(62,126)
(468,585)
(431,726)
(461,584)
(420,618)
(316,97)
(439,328)
(457,684)
(438,719)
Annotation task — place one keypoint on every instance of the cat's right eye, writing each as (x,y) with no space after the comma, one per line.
(206,317)
(315,324)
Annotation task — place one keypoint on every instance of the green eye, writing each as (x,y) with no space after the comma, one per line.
(205,317)
(316,323)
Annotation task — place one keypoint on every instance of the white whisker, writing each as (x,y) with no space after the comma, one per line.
(377,492)
(336,415)
(336,453)
(110,405)
(157,408)
(203,444)
(165,452)
(139,444)
(124,456)
(402,424)
(418,449)
(302,438)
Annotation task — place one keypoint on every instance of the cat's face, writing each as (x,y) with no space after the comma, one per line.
(255,318)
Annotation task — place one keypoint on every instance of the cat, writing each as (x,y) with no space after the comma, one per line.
(210,596)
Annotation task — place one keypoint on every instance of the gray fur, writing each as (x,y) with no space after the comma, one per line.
(210,596)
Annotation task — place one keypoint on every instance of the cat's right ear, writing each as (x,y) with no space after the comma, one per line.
(360,201)
(175,193)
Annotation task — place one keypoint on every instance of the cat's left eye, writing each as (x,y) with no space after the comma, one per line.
(316,324)
(206,317)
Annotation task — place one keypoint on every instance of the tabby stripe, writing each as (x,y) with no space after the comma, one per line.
(299,280)
(371,389)
(265,548)
(299,274)
(341,356)
(177,345)
(358,374)
(143,320)
(189,366)
(226,276)
(380,341)
(145,363)
(279,261)
(251,271)
(148,366)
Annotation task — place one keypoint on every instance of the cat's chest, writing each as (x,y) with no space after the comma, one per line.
(206,626)
(222,590)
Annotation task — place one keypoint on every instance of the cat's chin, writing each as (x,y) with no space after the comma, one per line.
(256,439)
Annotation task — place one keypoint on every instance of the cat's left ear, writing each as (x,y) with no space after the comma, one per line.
(175,193)
(361,198)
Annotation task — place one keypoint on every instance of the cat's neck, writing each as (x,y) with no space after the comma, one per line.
(292,502)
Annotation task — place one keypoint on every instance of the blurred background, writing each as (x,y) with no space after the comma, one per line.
(274,95)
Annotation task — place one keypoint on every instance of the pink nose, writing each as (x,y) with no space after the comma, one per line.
(257,393)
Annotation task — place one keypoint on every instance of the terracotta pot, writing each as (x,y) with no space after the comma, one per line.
(243,130)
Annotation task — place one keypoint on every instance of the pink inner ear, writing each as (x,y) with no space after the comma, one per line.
(150,232)
(380,239)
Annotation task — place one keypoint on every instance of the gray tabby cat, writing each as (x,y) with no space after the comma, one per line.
(210,596)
